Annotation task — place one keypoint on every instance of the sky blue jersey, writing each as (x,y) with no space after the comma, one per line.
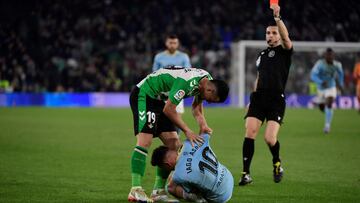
(164,59)
(329,73)
(198,170)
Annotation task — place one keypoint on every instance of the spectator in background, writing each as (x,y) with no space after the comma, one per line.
(37,32)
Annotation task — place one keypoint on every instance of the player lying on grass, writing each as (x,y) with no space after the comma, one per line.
(198,176)
(153,103)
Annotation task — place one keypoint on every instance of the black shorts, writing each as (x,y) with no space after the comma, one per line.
(148,114)
(269,106)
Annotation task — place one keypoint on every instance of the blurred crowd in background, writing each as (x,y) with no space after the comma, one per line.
(105,45)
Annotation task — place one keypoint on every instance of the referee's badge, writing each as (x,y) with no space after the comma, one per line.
(271,53)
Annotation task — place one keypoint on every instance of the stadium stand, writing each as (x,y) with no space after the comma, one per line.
(107,46)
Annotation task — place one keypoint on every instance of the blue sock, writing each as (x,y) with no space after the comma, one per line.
(328,116)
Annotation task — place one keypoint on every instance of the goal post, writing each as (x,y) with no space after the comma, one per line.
(243,69)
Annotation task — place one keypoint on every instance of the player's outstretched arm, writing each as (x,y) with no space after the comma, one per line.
(170,111)
(284,34)
(198,113)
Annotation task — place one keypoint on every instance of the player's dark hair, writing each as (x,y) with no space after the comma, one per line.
(171,36)
(271,22)
(329,50)
(222,89)
(158,155)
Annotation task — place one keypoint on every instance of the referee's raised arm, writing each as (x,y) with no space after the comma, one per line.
(284,34)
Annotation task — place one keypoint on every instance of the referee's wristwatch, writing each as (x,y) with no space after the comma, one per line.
(277,18)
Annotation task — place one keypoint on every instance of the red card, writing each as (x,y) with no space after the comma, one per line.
(276,2)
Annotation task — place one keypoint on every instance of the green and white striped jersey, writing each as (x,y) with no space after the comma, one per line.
(174,83)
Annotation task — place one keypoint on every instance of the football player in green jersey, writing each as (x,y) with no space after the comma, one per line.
(153,103)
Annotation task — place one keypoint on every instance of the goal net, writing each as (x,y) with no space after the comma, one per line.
(299,89)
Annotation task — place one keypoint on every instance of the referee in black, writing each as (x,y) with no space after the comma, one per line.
(267,102)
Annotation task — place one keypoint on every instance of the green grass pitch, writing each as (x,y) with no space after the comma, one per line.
(82,155)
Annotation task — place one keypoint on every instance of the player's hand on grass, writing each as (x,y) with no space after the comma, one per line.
(193,138)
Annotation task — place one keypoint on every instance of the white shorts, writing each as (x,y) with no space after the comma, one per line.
(325,93)
(180,107)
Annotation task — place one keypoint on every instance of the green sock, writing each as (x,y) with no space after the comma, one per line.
(138,163)
(160,178)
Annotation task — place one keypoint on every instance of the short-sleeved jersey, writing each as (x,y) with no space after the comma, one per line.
(198,170)
(356,73)
(164,59)
(322,71)
(173,82)
(273,66)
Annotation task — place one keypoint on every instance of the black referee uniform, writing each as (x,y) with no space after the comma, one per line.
(268,100)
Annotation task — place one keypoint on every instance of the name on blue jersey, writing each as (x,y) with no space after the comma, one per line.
(189,160)
(221,177)
(188,165)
